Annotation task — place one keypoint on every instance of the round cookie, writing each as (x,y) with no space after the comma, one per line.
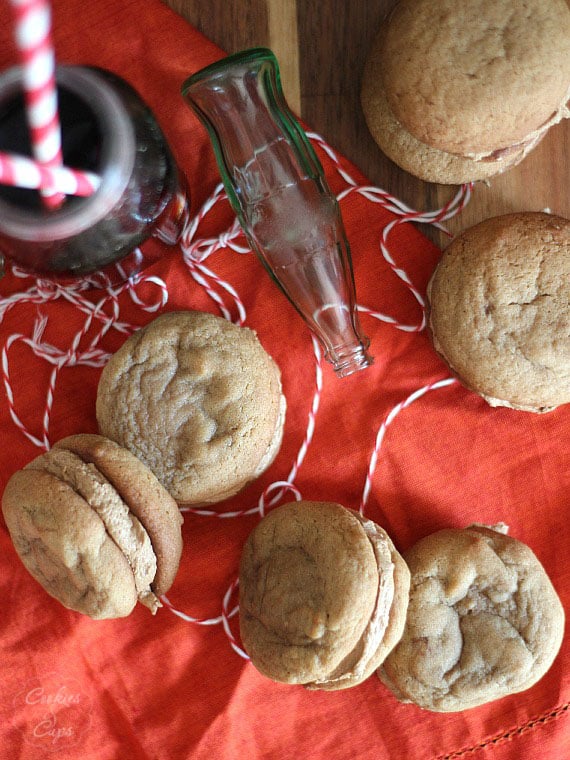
(409,153)
(198,400)
(323,595)
(484,621)
(471,78)
(499,312)
(84,541)
(459,92)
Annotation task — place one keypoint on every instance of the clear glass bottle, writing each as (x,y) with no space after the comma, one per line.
(278,190)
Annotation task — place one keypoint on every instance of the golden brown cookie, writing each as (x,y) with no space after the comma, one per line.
(409,153)
(198,400)
(484,621)
(499,312)
(323,595)
(456,92)
(84,541)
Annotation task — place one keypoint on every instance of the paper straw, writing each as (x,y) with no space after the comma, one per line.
(34,43)
(20,171)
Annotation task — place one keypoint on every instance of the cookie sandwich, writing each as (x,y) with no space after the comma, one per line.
(323,595)
(457,92)
(94,527)
(499,310)
(198,400)
(484,621)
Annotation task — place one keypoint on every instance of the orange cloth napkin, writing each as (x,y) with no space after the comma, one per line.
(166,687)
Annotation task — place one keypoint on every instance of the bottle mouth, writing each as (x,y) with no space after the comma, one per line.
(348,362)
(115,162)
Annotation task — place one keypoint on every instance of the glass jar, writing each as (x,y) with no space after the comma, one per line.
(106,129)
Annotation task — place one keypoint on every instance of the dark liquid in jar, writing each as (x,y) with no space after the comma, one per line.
(147,199)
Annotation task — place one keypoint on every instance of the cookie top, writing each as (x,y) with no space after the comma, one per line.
(484,621)
(317,589)
(405,150)
(64,544)
(145,497)
(198,400)
(470,78)
(499,312)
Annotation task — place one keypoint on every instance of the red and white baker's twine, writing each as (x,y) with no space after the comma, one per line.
(101,317)
(390,417)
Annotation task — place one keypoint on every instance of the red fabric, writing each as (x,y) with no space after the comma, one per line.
(161,687)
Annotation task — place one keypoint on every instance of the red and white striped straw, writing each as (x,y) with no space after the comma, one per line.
(34,43)
(20,171)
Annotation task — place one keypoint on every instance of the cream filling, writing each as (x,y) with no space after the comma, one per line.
(123,527)
(376,628)
(531,140)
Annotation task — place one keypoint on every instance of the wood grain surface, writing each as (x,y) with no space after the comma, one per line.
(321,47)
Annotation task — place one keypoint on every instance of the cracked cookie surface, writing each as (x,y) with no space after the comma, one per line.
(484,621)
(198,400)
(121,525)
(499,310)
